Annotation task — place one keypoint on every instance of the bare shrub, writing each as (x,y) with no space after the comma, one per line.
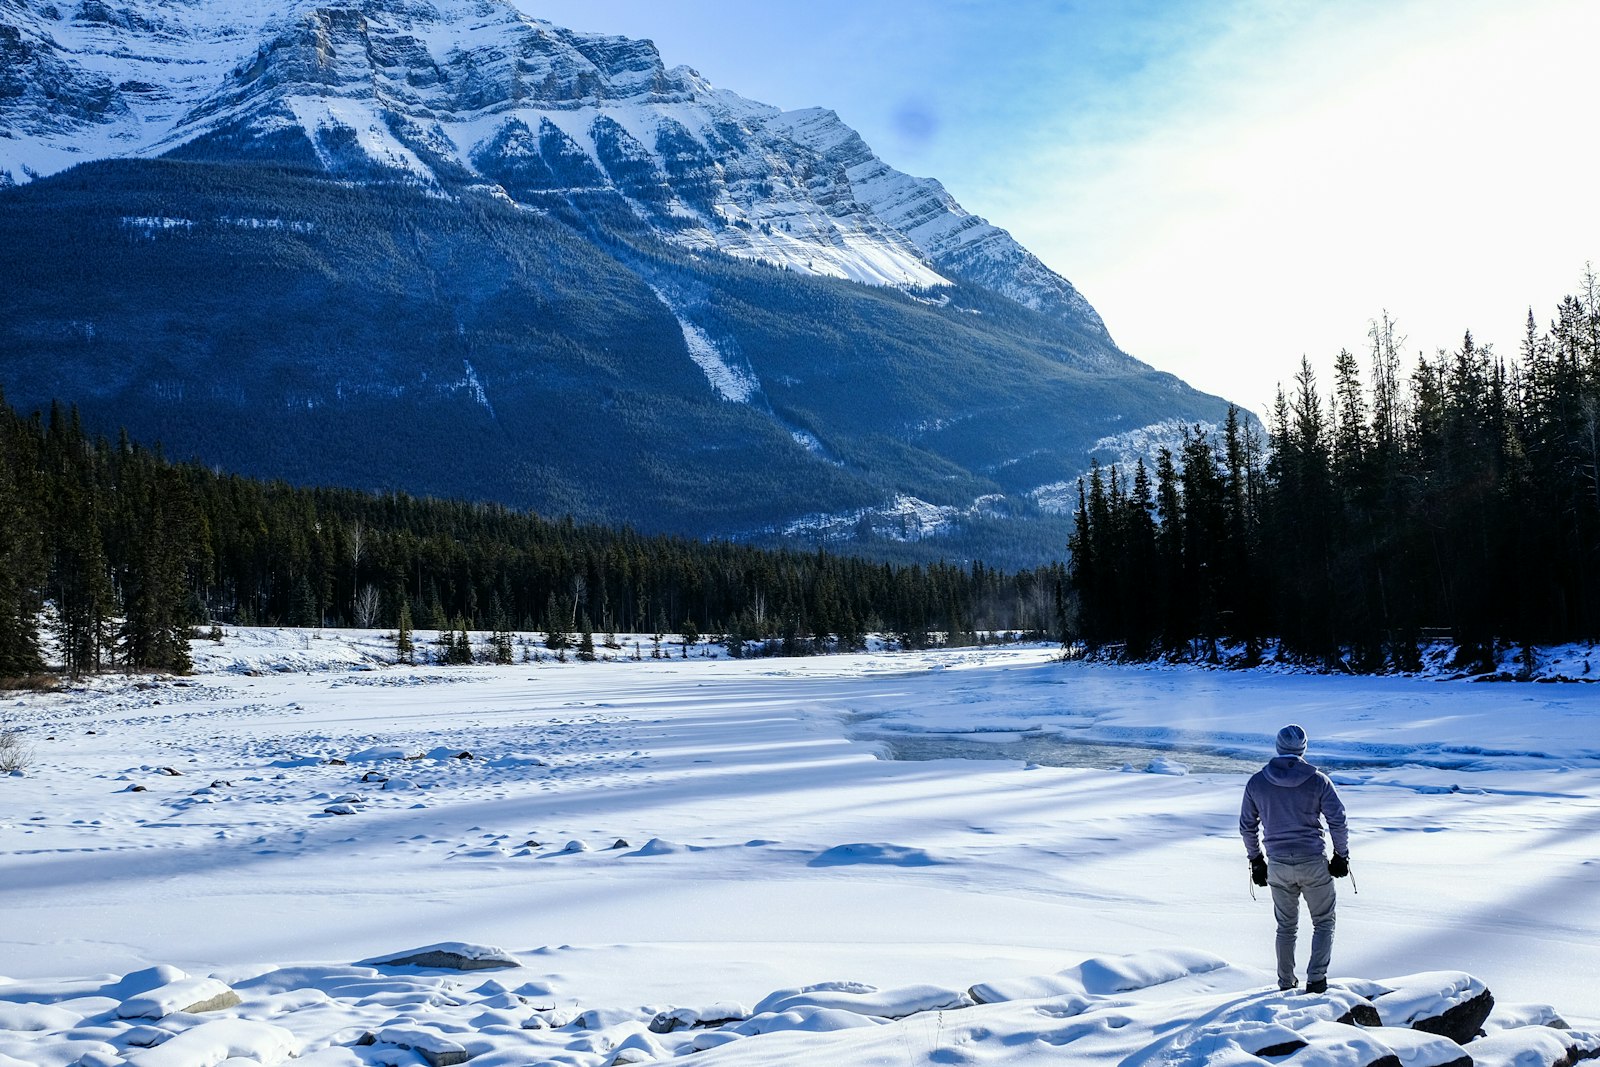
(15,753)
(32,683)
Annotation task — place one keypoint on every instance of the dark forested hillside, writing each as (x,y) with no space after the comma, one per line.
(1460,500)
(127,552)
(265,318)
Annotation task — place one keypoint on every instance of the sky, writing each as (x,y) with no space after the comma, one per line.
(1233,184)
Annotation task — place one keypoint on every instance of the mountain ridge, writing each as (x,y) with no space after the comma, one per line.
(366,244)
(439,91)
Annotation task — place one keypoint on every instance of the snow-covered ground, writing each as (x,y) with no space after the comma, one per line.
(712,836)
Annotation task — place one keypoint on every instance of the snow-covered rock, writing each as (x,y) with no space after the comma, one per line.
(212,1043)
(448,955)
(435,1048)
(1450,1003)
(191,995)
(1534,1046)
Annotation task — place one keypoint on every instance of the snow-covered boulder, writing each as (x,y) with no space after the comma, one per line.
(435,1048)
(638,1048)
(1535,1046)
(222,1039)
(671,1019)
(92,1058)
(36,1018)
(1452,1004)
(550,1019)
(191,995)
(1512,1016)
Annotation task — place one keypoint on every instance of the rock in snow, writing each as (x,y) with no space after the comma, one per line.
(449,956)
(1448,1003)
(436,1049)
(192,995)
(719,1014)
(1535,1046)
(1130,1009)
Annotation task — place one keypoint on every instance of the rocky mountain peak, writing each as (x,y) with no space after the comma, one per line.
(470,92)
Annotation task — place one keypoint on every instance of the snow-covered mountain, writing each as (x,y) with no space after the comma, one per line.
(475,91)
(448,248)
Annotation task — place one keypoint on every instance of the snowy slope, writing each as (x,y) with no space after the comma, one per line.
(475,91)
(782,895)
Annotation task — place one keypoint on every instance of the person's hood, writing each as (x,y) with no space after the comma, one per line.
(1288,771)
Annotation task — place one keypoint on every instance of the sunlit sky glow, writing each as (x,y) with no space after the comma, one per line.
(1232,184)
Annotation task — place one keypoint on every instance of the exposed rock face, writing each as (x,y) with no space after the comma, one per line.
(473,91)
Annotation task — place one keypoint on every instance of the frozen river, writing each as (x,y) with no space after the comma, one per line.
(738,830)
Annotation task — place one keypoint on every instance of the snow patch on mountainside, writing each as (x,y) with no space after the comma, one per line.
(474,387)
(320,115)
(734,383)
(873,259)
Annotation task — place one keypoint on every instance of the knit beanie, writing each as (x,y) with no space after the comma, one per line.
(1292,741)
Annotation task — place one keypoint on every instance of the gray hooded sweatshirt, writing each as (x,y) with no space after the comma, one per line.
(1290,798)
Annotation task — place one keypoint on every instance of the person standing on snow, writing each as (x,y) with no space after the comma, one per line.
(1290,799)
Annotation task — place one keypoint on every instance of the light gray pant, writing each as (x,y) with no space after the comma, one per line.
(1290,879)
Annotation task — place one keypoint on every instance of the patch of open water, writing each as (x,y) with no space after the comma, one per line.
(1054,750)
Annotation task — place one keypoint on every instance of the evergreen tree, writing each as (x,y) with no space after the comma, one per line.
(303,604)
(22,558)
(404,648)
(556,637)
(156,624)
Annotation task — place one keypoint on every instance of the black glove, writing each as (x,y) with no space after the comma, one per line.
(1339,866)
(1258,870)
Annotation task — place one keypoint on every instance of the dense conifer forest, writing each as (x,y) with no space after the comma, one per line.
(1458,501)
(258,316)
(112,556)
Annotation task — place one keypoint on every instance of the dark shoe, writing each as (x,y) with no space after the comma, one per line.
(1288,988)
(1317,985)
